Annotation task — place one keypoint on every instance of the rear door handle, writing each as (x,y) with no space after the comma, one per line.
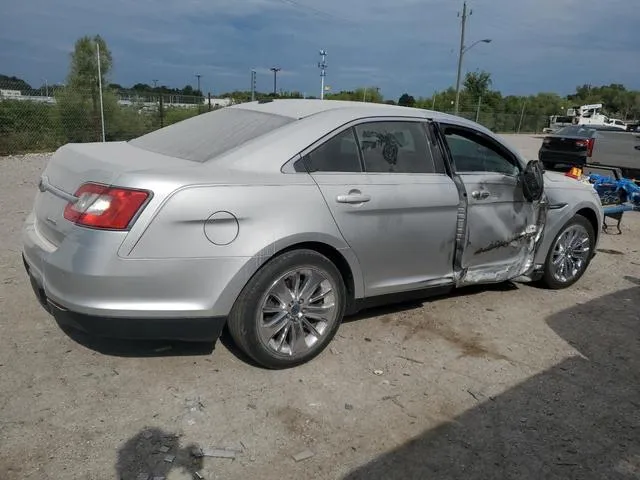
(480,195)
(352,198)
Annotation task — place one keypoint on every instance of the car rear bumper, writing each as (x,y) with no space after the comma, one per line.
(195,329)
(84,283)
(567,158)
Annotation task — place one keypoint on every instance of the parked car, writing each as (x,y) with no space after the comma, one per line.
(568,146)
(279,218)
(618,124)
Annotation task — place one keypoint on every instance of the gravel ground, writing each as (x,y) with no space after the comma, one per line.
(509,381)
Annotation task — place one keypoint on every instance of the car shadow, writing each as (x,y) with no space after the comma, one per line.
(160,348)
(406,305)
(138,348)
(578,419)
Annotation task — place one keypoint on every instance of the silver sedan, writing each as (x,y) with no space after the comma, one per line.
(278,218)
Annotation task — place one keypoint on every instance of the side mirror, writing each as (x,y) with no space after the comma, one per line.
(533,181)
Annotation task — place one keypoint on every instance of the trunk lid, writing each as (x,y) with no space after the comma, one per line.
(75,164)
(565,144)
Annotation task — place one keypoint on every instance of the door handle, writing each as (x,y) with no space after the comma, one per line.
(353,198)
(480,195)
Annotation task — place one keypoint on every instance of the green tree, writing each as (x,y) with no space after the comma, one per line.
(79,103)
(406,100)
(14,83)
(477,84)
(361,94)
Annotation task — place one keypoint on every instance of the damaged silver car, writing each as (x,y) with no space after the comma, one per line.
(279,218)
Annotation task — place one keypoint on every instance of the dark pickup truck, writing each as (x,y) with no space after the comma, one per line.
(617,149)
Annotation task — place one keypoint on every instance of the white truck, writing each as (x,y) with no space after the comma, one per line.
(584,115)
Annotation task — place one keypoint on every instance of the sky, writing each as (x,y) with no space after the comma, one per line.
(397,45)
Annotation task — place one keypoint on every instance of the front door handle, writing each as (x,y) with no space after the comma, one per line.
(353,197)
(480,195)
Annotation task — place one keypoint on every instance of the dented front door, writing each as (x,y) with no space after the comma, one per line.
(501,228)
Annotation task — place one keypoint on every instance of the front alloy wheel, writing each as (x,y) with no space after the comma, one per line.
(570,253)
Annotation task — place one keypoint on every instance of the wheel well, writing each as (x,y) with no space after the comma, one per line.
(338,260)
(592,217)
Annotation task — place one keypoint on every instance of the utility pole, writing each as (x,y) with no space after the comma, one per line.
(198,77)
(524,104)
(100,89)
(275,71)
(253,85)
(322,65)
(155,83)
(461,53)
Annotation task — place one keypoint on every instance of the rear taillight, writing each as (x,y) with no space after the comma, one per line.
(101,206)
(587,143)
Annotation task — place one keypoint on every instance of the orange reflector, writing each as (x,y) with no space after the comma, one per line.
(574,172)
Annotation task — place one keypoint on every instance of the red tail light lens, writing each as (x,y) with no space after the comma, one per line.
(101,206)
(588,143)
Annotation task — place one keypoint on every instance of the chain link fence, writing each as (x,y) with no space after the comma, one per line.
(499,121)
(42,120)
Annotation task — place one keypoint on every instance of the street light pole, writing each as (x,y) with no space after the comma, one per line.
(275,71)
(460,54)
(253,85)
(198,77)
(464,50)
(322,65)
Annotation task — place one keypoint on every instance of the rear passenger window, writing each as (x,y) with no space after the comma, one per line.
(338,154)
(397,147)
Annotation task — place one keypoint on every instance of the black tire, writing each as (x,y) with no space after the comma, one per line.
(548,280)
(243,320)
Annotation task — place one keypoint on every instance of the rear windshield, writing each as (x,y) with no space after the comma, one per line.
(206,136)
(576,131)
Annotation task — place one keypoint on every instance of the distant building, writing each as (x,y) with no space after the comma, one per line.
(218,102)
(10,94)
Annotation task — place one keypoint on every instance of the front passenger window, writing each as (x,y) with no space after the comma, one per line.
(474,155)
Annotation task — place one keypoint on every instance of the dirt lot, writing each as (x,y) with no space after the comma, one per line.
(509,381)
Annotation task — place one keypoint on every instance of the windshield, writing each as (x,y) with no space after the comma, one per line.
(560,119)
(209,135)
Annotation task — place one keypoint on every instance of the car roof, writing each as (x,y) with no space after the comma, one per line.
(314,120)
(301,108)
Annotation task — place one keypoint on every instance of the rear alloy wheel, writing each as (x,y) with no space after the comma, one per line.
(570,254)
(290,310)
